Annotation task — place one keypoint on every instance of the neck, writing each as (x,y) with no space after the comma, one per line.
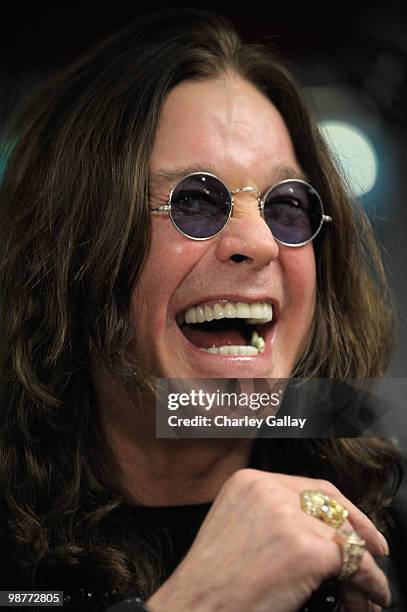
(164,472)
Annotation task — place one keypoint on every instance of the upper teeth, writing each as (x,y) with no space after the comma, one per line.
(258,313)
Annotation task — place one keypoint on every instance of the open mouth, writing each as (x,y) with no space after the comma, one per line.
(226,327)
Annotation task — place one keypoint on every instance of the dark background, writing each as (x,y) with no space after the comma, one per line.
(351,58)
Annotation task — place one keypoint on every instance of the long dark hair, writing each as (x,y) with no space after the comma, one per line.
(75,232)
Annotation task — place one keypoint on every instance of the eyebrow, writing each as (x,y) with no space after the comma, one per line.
(170,176)
(166,176)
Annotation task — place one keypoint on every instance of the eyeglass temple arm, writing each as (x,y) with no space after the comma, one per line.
(327,218)
(162,208)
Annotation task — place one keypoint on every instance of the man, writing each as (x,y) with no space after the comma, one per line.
(101,294)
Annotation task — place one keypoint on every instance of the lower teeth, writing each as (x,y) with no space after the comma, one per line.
(256,346)
(258,342)
(232,350)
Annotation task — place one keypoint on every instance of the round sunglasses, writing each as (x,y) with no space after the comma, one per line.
(200,205)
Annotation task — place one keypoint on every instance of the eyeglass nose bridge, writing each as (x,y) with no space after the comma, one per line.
(248,189)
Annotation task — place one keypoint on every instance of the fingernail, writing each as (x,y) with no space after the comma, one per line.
(384,543)
(389,600)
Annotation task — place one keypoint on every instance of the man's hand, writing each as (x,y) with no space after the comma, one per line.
(258,551)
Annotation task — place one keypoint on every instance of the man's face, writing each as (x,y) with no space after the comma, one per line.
(228,127)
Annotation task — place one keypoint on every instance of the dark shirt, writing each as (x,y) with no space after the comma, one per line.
(176,528)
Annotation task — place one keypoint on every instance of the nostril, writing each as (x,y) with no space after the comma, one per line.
(238,258)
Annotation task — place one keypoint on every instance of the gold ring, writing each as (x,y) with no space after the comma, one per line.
(328,510)
(353,548)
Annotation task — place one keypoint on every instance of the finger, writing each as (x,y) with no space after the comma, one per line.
(354,600)
(375,540)
(294,497)
(370,545)
(370,579)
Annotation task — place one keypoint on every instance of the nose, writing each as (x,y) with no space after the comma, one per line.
(246,237)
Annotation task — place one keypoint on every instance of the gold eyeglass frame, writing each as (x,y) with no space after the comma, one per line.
(166,208)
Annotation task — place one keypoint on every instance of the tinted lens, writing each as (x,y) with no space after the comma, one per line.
(200,205)
(293,212)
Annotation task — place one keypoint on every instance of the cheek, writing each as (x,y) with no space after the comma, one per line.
(299,272)
(170,259)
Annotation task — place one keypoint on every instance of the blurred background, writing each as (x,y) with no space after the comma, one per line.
(350,57)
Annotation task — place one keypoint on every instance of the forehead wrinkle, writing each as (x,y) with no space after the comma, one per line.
(168,177)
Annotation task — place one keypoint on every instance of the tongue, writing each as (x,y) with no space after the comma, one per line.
(204,338)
